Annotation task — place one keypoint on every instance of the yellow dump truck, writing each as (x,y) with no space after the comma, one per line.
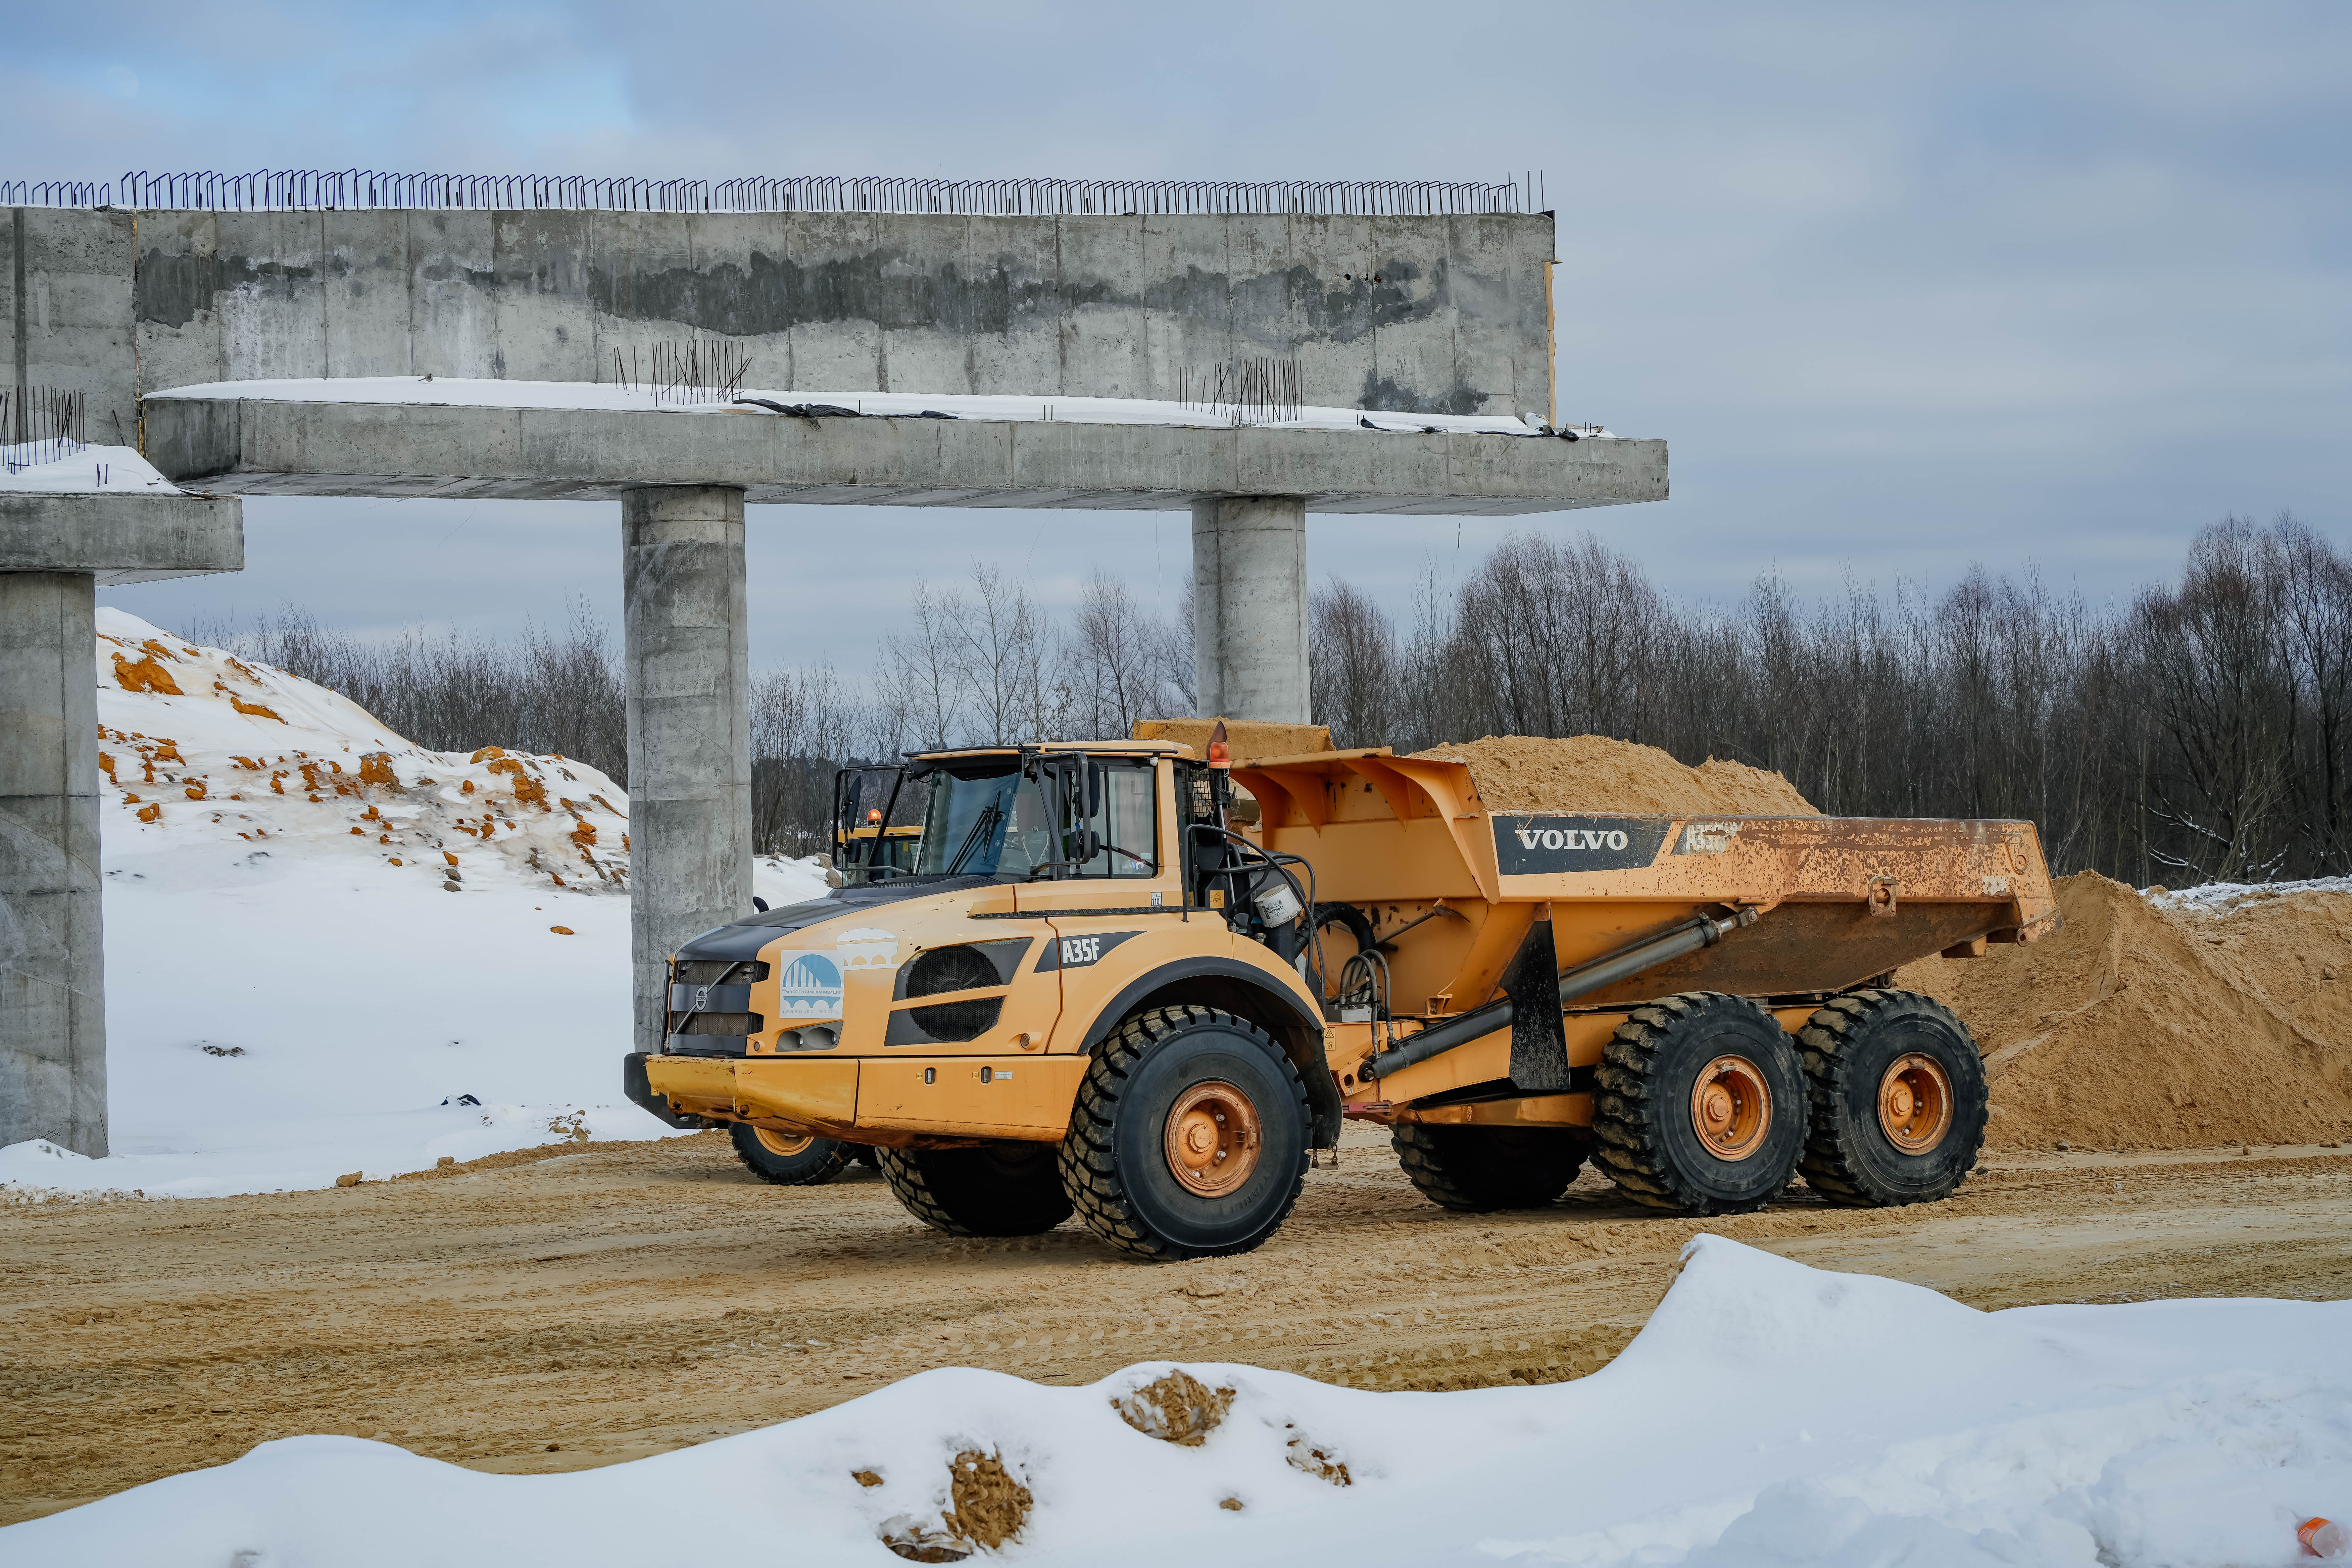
(1144,986)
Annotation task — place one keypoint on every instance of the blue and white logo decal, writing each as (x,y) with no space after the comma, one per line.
(811,986)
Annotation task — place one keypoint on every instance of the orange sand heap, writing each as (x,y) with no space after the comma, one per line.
(1594,773)
(2146,1025)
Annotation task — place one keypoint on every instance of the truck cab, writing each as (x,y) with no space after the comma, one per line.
(951,1015)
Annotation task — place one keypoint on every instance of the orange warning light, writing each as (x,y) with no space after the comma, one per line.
(1220,755)
(873,814)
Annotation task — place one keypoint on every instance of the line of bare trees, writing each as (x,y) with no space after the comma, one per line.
(2204,731)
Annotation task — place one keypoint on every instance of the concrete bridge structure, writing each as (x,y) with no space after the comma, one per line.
(1432,314)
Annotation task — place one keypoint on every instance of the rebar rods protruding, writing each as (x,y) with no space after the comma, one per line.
(40,425)
(284,189)
(1248,392)
(698,369)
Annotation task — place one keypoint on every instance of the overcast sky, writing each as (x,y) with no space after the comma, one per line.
(2044,286)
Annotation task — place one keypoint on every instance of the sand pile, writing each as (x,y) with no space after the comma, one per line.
(1594,773)
(2164,1023)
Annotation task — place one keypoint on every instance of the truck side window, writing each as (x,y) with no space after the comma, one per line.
(1128,823)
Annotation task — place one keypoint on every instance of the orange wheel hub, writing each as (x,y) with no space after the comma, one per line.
(1730,1108)
(1213,1138)
(1914,1103)
(783,1144)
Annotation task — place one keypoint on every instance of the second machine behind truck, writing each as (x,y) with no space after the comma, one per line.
(1103,989)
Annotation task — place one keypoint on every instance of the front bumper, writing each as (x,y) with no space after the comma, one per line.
(865,1099)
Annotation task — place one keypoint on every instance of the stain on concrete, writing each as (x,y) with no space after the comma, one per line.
(885,286)
(1384,395)
(168,290)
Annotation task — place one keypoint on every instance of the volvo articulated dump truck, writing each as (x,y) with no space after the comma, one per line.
(1104,989)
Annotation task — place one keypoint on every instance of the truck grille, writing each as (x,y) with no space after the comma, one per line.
(712,971)
(719,1023)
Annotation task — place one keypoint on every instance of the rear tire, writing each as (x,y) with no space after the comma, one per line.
(1480,1169)
(1701,1106)
(1899,1100)
(1004,1188)
(1200,1089)
(784,1161)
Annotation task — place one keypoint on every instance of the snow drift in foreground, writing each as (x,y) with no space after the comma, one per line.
(1768,1414)
(321,939)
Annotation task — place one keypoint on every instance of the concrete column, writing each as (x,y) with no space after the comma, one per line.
(52,969)
(1249,613)
(689,657)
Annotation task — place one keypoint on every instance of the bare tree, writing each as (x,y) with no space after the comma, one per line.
(1351,664)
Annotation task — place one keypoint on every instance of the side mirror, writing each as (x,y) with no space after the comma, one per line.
(1089,789)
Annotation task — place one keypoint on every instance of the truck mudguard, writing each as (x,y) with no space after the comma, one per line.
(1245,991)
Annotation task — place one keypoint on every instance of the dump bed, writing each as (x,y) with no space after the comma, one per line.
(1452,887)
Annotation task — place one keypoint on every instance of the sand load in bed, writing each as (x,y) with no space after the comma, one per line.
(1594,773)
(2158,1022)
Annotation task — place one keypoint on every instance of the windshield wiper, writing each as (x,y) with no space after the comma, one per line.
(981,825)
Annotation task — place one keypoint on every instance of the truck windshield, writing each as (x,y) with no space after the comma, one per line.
(986,820)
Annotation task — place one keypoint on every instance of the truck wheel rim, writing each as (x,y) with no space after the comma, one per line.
(1213,1138)
(1730,1108)
(1914,1103)
(783,1144)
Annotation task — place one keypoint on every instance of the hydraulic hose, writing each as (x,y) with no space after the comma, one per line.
(1702,930)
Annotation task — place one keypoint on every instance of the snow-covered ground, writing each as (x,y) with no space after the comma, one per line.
(1768,1414)
(72,467)
(322,940)
(428,391)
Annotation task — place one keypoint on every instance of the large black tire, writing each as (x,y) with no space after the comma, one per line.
(789,1162)
(1878,1135)
(1648,1116)
(1480,1169)
(1004,1188)
(1117,1162)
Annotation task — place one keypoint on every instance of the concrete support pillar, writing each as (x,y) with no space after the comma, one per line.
(688,657)
(52,968)
(1249,615)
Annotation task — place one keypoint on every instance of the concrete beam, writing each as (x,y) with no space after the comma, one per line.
(247,447)
(689,724)
(1249,609)
(122,537)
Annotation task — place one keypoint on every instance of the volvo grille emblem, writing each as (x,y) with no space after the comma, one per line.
(702,997)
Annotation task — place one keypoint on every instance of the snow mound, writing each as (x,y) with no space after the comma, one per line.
(329,949)
(72,467)
(1768,1414)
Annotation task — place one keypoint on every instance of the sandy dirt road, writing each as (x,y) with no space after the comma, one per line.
(558,1310)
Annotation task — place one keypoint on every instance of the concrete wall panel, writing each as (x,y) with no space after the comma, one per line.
(548,269)
(453,313)
(177,302)
(364,276)
(76,312)
(1405,314)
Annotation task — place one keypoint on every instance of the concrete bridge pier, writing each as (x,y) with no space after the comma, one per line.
(52,970)
(1249,608)
(55,550)
(689,723)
